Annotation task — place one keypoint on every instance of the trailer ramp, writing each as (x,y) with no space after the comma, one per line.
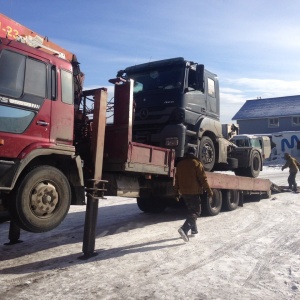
(282,188)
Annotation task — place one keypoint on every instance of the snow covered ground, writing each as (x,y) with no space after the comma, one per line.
(250,253)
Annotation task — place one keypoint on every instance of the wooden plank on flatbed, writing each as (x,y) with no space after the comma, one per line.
(224,181)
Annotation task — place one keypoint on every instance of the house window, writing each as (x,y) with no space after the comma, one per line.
(295,121)
(273,122)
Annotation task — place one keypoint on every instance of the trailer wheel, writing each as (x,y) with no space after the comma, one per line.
(207,154)
(230,199)
(42,200)
(212,205)
(151,205)
(233,163)
(240,172)
(255,165)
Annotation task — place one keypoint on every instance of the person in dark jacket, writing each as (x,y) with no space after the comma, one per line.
(293,165)
(191,183)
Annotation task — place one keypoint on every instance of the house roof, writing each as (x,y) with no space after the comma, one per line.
(269,108)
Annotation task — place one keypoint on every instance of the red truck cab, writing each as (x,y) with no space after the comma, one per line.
(37,152)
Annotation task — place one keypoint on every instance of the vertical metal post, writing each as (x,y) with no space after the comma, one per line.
(241,201)
(14,234)
(98,133)
(89,235)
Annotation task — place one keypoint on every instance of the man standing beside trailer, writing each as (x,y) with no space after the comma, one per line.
(293,165)
(191,182)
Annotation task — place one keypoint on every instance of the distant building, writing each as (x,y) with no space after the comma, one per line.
(263,116)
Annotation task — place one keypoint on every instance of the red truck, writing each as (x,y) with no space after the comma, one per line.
(54,139)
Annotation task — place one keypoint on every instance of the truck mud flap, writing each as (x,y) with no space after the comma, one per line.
(121,185)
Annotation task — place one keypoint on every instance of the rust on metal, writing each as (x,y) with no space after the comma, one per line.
(98,131)
(14,31)
(120,152)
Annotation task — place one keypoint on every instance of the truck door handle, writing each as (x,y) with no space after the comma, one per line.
(203,110)
(42,123)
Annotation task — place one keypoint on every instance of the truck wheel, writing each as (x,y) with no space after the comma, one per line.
(207,154)
(230,199)
(143,204)
(151,205)
(255,165)
(42,200)
(240,172)
(212,205)
(233,163)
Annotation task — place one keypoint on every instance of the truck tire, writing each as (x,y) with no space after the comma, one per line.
(254,166)
(212,205)
(233,163)
(42,200)
(151,205)
(240,172)
(230,199)
(207,154)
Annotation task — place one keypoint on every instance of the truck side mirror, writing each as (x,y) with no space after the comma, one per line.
(200,77)
(120,73)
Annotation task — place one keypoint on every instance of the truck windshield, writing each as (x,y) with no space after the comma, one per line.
(255,143)
(14,120)
(247,142)
(166,78)
(21,75)
(242,142)
(12,73)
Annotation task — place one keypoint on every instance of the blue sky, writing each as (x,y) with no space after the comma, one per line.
(253,46)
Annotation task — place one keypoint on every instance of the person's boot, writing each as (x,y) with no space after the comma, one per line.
(295,188)
(194,229)
(184,229)
(183,234)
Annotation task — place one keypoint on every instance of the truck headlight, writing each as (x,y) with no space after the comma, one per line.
(171,141)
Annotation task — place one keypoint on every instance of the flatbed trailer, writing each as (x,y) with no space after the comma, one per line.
(147,172)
